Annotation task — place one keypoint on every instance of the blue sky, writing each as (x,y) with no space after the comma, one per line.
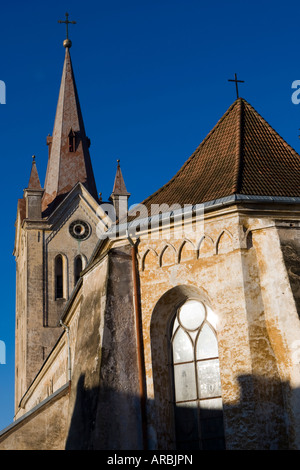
(152,77)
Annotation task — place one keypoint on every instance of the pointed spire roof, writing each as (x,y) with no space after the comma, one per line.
(119,188)
(242,155)
(69,159)
(34,181)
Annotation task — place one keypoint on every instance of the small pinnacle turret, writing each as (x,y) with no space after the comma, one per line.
(34,181)
(120,195)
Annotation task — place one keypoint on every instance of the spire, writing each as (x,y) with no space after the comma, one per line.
(69,159)
(119,185)
(34,181)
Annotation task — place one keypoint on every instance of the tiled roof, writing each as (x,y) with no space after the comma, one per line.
(241,155)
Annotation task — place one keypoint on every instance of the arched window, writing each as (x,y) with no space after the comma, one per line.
(196,378)
(77,268)
(59,283)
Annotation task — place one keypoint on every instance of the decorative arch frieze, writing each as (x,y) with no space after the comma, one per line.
(224,242)
(187,251)
(169,258)
(149,253)
(206,246)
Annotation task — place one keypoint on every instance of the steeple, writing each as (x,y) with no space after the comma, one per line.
(52,249)
(69,159)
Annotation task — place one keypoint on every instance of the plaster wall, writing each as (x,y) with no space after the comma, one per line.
(54,373)
(42,429)
(222,267)
(104,408)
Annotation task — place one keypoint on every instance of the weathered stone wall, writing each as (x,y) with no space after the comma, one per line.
(104,404)
(33,344)
(224,269)
(38,242)
(243,267)
(289,234)
(282,318)
(51,378)
(59,241)
(20,333)
(42,429)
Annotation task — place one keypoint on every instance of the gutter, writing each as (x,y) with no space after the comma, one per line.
(140,357)
(144,223)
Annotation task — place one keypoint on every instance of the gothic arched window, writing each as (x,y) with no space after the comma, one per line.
(77,268)
(196,375)
(59,282)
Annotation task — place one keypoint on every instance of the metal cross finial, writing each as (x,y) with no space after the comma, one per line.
(236,84)
(67,22)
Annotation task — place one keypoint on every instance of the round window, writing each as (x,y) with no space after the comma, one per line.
(79,229)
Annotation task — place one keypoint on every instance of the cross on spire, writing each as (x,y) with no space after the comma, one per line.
(236,84)
(67,42)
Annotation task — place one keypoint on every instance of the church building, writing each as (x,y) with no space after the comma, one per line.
(174,326)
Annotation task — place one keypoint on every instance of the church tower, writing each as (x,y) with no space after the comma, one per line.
(55,233)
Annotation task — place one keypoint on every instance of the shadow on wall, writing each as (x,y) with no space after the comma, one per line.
(107,413)
(105,419)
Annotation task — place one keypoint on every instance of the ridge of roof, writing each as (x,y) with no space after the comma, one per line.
(239,156)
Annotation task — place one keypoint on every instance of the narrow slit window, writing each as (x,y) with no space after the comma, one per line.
(77,268)
(198,404)
(71,141)
(59,277)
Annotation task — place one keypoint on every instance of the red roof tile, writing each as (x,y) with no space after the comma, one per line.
(241,155)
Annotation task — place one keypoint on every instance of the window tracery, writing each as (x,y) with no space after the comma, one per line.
(196,377)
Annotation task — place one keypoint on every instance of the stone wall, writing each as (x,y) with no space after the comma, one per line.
(104,404)
(44,428)
(244,267)
(226,268)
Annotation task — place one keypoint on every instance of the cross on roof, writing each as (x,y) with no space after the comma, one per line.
(236,84)
(67,22)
